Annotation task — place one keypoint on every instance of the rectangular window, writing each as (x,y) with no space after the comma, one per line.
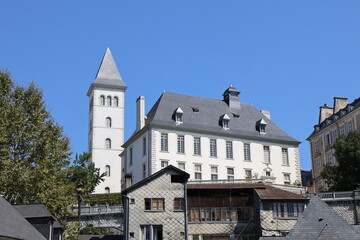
(164,163)
(144,146)
(164,142)
(286,178)
(197,146)
(144,170)
(287,210)
(285,156)
(248,173)
(266,154)
(214,173)
(342,129)
(334,135)
(213,150)
(180,144)
(181,165)
(328,139)
(329,158)
(131,157)
(316,145)
(318,164)
(247,156)
(155,204)
(198,172)
(229,150)
(179,204)
(230,173)
(350,125)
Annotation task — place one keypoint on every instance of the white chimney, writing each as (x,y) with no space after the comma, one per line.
(266,113)
(325,112)
(339,103)
(140,113)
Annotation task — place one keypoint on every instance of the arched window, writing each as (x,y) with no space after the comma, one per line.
(108,122)
(102,100)
(107,170)
(108,143)
(116,101)
(107,190)
(108,101)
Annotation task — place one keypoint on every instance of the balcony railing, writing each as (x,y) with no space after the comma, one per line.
(220,214)
(97,210)
(338,196)
(226,181)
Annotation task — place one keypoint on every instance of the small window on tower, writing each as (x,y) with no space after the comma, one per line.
(102,100)
(108,101)
(108,143)
(108,122)
(107,170)
(116,101)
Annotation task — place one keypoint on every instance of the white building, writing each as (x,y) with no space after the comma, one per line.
(209,139)
(106,123)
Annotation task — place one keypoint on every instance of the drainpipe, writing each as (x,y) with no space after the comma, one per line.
(355,209)
(186,210)
(126,216)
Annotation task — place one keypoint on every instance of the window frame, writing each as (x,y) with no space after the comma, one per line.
(247,152)
(197,146)
(229,150)
(213,147)
(164,142)
(159,204)
(181,144)
(285,156)
(267,157)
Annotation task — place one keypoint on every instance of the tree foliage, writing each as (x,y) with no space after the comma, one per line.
(344,176)
(85,177)
(34,153)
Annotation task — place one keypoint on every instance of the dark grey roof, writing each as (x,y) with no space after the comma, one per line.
(108,75)
(169,168)
(33,211)
(14,225)
(321,222)
(242,121)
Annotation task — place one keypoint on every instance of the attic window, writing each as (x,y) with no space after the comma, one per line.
(260,126)
(236,115)
(179,115)
(195,109)
(224,121)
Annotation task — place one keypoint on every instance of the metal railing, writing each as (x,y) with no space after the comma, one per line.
(226,181)
(331,196)
(97,210)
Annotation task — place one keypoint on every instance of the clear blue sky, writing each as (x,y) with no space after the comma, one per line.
(288,57)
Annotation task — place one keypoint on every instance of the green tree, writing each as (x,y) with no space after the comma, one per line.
(344,176)
(34,153)
(85,177)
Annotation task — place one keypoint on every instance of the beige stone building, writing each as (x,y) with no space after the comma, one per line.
(334,121)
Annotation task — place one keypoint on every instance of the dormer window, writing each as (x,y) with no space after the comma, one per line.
(179,115)
(260,126)
(224,121)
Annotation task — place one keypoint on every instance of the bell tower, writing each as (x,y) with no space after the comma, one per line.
(106,123)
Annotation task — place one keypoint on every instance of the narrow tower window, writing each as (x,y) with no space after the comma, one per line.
(108,143)
(108,122)
(108,101)
(116,101)
(107,170)
(102,100)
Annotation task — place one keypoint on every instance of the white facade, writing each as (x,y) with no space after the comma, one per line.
(106,124)
(212,167)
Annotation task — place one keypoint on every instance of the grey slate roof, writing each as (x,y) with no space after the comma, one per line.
(108,75)
(33,211)
(208,116)
(14,225)
(320,222)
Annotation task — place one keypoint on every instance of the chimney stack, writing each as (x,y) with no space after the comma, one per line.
(325,112)
(339,103)
(140,113)
(266,113)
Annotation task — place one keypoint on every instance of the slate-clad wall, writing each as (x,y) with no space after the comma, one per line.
(173,222)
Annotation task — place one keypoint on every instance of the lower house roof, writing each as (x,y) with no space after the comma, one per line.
(14,226)
(274,193)
(33,211)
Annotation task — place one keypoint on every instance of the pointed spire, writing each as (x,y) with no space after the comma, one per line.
(108,74)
